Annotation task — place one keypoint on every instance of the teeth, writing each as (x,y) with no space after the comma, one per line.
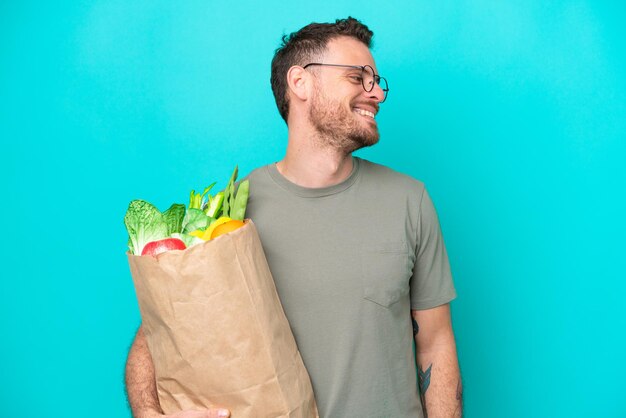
(364,112)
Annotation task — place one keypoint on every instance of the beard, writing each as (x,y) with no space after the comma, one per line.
(339,127)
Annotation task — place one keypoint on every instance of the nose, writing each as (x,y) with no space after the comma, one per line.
(377,93)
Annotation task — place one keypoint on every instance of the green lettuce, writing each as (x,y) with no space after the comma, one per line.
(195,219)
(173,217)
(144,224)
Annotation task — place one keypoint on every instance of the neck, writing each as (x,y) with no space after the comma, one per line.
(308,163)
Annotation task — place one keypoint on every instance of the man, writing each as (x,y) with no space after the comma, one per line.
(355,248)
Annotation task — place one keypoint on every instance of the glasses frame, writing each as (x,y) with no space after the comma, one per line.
(363,68)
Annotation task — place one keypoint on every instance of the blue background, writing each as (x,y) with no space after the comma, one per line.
(512,113)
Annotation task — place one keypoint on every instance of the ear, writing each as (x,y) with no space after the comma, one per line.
(298,80)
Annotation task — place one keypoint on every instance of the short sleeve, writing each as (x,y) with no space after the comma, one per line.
(431,284)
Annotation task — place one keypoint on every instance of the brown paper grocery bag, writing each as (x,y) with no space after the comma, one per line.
(217,331)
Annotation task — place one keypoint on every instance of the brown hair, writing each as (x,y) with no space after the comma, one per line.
(303,46)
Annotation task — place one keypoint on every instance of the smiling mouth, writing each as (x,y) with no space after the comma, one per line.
(364,113)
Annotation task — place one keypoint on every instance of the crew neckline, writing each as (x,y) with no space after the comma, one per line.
(315,191)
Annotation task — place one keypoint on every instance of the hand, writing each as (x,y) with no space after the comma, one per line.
(209,413)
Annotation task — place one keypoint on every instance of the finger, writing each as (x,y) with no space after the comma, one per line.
(209,413)
(218,413)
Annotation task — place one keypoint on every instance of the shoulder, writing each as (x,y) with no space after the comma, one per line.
(379,175)
(259,177)
(261,183)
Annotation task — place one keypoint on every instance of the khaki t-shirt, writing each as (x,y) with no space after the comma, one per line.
(350,261)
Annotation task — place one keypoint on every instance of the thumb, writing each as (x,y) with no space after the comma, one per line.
(208,413)
(218,413)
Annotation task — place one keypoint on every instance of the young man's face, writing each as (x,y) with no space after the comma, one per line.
(341,110)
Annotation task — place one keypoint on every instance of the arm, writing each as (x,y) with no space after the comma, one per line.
(441,389)
(141,386)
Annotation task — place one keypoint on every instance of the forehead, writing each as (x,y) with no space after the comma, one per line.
(347,50)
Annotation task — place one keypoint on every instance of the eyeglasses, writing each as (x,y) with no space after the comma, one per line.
(368,77)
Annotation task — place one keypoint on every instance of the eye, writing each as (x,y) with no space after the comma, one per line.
(356,78)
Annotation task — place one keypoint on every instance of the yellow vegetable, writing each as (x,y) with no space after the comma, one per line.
(221,220)
(227,227)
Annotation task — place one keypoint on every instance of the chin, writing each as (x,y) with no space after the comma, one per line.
(362,141)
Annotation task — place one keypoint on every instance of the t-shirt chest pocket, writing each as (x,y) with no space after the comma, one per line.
(385,272)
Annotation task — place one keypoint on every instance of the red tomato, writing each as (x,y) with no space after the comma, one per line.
(157,247)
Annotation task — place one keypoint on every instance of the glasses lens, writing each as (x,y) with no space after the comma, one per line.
(382,82)
(368,78)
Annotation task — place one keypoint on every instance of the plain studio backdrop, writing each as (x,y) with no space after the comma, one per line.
(512,113)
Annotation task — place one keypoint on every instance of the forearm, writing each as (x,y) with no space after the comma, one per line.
(140,379)
(439,377)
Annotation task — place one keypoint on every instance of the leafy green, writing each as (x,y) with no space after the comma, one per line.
(194,219)
(229,191)
(174,218)
(231,197)
(215,204)
(194,200)
(205,201)
(200,201)
(238,210)
(144,224)
(189,240)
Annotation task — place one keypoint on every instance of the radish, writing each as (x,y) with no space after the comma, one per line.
(157,247)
